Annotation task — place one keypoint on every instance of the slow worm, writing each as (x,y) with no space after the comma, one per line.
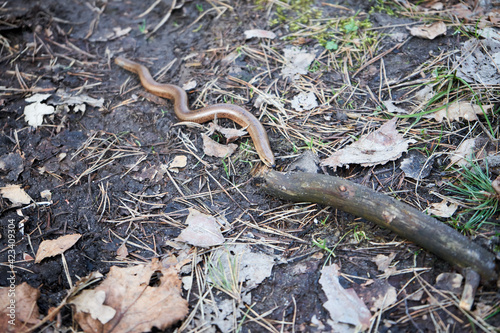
(239,115)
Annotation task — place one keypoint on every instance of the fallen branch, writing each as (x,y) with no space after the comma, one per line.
(404,220)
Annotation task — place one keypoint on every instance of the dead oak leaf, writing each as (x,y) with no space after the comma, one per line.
(457,110)
(18,310)
(139,304)
(378,147)
(50,248)
(203,230)
(429,31)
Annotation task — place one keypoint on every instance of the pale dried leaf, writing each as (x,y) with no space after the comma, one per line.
(383,262)
(212,148)
(92,302)
(16,195)
(50,248)
(424,94)
(296,62)
(344,305)
(23,312)
(443,208)
(122,251)
(461,11)
(389,104)
(304,101)
(46,194)
(457,110)
(429,31)
(189,85)
(33,113)
(231,134)
(496,186)
(179,161)
(119,32)
(482,310)
(253,267)
(139,305)
(259,33)
(69,99)
(464,151)
(450,282)
(203,230)
(270,99)
(37,98)
(480,59)
(378,147)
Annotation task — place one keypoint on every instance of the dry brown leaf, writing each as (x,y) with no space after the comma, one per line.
(122,251)
(463,151)
(496,186)
(212,148)
(179,162)
(231,134)
(379,295)
(461,11)
(383,262)
(443,208)
(18,310)
(378,147)
(50,248)
(429,31)
(203,230)
(457,110)
(344,305)
(139,304)
(16,195)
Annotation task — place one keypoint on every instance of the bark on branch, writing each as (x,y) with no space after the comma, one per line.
(387,212)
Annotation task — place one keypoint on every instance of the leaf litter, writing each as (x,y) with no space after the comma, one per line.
(135,298)
(331,127)
(202,230)
(378,147)
(50,248)
(18,307)
(348,313)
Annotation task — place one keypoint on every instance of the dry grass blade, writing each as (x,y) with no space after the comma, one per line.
(103,151)
(104,204)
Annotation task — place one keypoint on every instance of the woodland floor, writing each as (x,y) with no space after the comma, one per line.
(110,179)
